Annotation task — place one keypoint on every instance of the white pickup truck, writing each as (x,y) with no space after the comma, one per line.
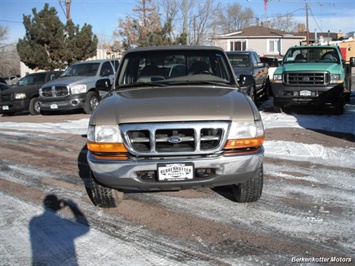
(76,87)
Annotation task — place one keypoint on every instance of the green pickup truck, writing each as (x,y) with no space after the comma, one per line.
(312,75)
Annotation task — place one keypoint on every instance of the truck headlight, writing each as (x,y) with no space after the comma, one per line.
(104,139)
(77,89)
(20,96)
(245,135)
(277,78)
(335,78)
(104,133)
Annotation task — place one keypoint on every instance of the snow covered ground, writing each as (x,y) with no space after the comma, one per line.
(275,149)
(16,216)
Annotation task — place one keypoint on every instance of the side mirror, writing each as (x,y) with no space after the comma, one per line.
(246,80)
(103,84)
(352,61)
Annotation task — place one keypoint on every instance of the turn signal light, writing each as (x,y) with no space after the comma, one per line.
(244,143)
(106,147)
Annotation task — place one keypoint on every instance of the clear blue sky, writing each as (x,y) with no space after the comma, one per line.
(103,15)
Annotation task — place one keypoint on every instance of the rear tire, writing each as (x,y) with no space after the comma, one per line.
(104,197)
(250,190)
(266,91)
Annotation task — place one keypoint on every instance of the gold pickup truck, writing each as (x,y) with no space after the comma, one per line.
(175,119)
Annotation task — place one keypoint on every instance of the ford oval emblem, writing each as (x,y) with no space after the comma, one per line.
(175,139)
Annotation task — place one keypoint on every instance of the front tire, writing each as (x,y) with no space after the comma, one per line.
(250,190)
(34,106)
(91,101)
(252,94)
(104,197)
(278,109)
(339,105)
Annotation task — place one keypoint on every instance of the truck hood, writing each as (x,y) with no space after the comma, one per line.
(171,104)
(330,67)
(22,89)
(71,80)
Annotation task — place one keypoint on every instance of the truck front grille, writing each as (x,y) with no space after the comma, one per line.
(6,97)
(55,91)
(174,138)
(307,78)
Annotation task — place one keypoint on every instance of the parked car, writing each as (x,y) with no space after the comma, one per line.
(24,97)
(272,62)
(76,87)
(4,86)
(175,119)
(11,80)
(249,63)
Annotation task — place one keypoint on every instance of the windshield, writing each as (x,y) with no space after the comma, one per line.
(239,60)
(311,55)
(168,67)
(33,79)
(83,69)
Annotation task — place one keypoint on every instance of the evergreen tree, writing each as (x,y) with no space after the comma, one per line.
(49,44)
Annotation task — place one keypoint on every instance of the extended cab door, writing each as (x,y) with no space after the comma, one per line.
(259,71)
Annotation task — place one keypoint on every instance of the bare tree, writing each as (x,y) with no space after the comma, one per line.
(9,59)
(4,31)
(234,17)
(283,22)
(172,10)
(202,15)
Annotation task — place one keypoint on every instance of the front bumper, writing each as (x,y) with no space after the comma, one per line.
(70,102)
(14,106)
(291,95)
(226,170)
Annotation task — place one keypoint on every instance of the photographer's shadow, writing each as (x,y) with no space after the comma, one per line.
(52,236)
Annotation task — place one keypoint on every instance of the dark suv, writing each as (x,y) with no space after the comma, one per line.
(24,96)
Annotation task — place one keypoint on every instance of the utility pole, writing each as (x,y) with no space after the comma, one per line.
(307,26)
(67,3)
(67,8)
(185,22)
(143,10)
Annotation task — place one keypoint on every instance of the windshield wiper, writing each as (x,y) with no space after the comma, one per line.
(209,82)
(144,84)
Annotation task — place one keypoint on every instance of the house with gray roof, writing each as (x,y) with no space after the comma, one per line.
(265,41)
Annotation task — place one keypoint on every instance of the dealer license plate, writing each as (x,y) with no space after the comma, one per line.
(174,172)
(54,106)
(305,93)
(5,107)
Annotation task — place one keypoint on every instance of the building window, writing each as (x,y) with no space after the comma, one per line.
(238,45)
(274,46)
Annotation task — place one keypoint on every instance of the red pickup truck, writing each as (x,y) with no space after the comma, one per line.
(249,63)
